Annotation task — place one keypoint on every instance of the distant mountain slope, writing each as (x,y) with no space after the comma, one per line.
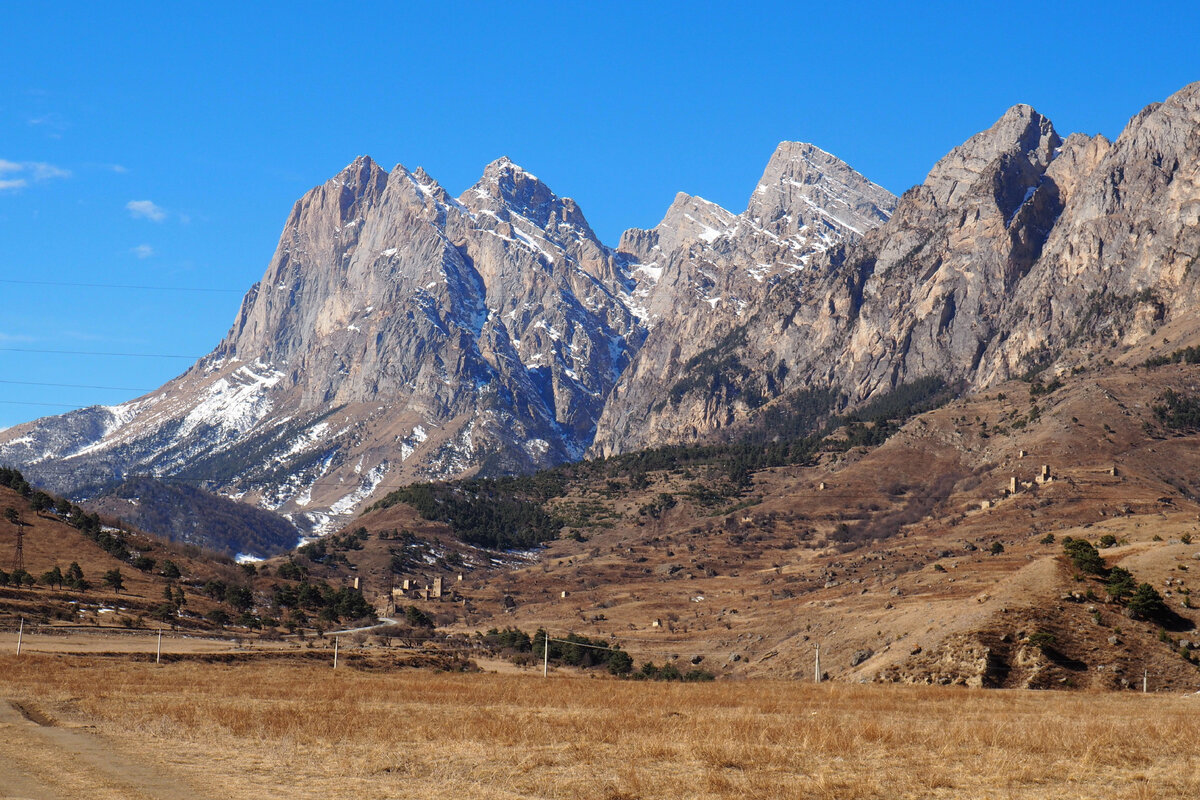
(183,513)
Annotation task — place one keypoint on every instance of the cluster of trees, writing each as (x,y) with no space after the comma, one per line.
(1142,599)
(905,401)
(481,512)
(573,650)
(112,542)
(1038,389)
(14,480)
(656,507)
(18,577)
(580,651)
(669,672)
(55,577)
(329,550)
(1178,411)
(329,604)
(1187,355)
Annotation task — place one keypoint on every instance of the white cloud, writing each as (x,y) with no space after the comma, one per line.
(143,251)
(15,337)
(146,209)
(52,120)
(22,173)
(44,172)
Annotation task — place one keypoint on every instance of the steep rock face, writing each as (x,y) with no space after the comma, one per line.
(1019,251)
(703,272)
(398,334)
(924,296)
(1123,257)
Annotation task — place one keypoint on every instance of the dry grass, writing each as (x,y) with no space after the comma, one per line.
(303,730)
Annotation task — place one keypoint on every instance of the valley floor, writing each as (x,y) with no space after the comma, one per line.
(112,728)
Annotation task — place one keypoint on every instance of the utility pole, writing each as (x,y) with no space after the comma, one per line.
(20,633)
(335,651)
(817,665)
(546,656)
(158,653)
(1145,680)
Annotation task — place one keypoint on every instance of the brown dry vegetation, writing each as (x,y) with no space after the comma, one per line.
(305,730)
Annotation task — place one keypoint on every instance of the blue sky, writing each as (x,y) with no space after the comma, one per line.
(151,144)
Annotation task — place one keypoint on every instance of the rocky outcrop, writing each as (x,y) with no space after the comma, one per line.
(704,274)
(1020,251)
(398,334)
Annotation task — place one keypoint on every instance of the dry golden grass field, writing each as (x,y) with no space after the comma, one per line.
(73,726)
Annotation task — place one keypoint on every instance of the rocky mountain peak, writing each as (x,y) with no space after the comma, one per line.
(688,219)
(358,177)
(421,188)
(401,334)
(804,187)
(1020,134)
(506,190)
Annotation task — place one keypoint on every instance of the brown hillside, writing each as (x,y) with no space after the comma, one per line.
(50,542)
(889,566)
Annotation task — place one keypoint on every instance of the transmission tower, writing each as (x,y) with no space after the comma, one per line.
(14,517)
(19,555)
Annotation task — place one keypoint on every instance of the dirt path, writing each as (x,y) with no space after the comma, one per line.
(41,761)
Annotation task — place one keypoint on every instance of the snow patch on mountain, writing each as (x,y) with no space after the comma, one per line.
(233,404)
(370,481)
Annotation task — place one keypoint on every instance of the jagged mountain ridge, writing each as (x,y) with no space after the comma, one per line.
(402,334)
(706,272)
(1020,251)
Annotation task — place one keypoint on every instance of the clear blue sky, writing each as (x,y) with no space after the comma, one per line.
(163,144)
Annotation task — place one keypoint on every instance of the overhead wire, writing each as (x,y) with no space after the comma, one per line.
(76,386)
(138,287)
(98,353)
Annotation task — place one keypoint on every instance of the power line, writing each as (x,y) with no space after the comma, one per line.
(140,287)
(97,353)
(30,403)
(76,386)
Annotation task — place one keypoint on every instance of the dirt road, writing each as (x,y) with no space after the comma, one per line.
(41,760)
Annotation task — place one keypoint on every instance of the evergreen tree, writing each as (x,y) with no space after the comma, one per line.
(114,580)
(1146,602)
(53,577)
